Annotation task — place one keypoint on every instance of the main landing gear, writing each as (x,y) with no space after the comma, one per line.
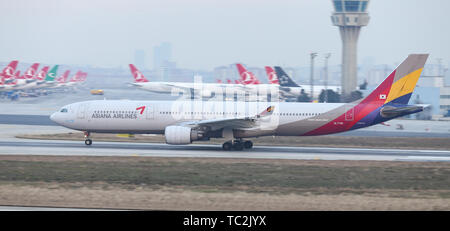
(237,145)
(87,141)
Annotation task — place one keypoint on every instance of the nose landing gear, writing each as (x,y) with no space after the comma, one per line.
(87,141)
(237,145)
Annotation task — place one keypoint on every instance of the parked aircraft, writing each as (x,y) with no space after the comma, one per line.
(198,89)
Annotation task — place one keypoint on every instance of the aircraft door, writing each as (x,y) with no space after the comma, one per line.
(349,114)
(81,112)
(150,112)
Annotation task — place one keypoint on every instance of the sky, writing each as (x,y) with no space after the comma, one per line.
(208,33)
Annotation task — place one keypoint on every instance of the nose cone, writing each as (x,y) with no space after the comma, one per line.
(54,117)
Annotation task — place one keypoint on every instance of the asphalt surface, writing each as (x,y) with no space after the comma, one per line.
(44,120)
(75,148)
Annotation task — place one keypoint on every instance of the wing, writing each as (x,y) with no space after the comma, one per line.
(233,122)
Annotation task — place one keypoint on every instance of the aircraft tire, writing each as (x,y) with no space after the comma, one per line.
(227,146)
(248,144)
(238,146)
(88,142)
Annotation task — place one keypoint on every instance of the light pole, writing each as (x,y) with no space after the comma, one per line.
(311,81)
(327,56)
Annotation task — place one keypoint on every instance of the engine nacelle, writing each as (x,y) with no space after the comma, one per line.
(180,135)
(206,93)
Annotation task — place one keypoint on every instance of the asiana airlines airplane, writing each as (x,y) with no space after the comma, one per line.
(183,122)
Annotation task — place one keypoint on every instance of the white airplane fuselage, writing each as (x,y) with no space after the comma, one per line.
(123,116)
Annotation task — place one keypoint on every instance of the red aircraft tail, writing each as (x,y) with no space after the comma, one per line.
(8,71)
(138,76)
(247,77)
(273,79)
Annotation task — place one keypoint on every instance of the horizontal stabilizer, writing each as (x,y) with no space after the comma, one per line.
(394,111)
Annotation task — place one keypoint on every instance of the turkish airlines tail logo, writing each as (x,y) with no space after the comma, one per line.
(8,71)
(138,76)
(29,74)
(41,75)
(246,76)
(273,79)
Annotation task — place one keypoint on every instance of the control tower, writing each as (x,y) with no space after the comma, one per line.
(349,16)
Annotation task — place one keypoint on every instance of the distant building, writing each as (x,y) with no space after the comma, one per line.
(162,63)
(161,54)
(139,59)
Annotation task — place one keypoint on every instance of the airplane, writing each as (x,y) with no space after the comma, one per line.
(46,78)
(247,77)
(26,81)
(62,80)
(281,82)
(290,88)
(204,90)
(27,77)
(254,86)
(183,122)
(76,79)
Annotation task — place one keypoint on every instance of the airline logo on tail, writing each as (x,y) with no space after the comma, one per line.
(29,74)
(52,74)
(41,75)
(63,78)
(284,79)
(273,79)
(246,76)
(8,71)
(389,100)
(138,76)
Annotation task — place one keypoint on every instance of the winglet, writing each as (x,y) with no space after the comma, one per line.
(267,112)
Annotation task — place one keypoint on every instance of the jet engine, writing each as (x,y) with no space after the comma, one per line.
(206,93)
(181,135)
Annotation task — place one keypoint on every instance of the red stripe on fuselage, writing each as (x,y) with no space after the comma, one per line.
(346,121)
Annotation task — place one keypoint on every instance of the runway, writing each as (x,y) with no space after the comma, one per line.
(44,120)
(78,148)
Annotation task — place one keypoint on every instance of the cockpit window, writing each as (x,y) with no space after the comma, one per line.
(64,110)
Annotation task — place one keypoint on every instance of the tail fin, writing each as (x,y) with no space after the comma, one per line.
(284,79)
(52,74)
(398,87)
(41,75)
(75,77)
(63,78)
(273,79)
(82,77)
(138,76)
(8,71)
(246,76)
(29,74)
(389,100)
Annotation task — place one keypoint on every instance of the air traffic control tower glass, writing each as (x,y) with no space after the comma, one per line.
(350,6)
